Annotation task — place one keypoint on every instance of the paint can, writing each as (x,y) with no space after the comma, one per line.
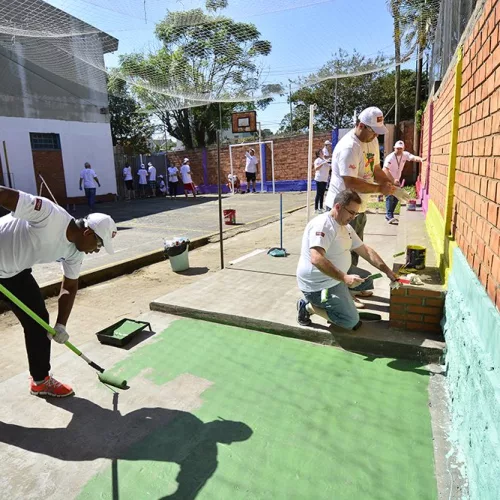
(230,217)
(412,205)
(415,257)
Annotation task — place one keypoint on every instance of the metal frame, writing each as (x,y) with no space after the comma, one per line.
(260,161)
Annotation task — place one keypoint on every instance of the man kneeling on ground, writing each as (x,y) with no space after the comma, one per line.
(325,274)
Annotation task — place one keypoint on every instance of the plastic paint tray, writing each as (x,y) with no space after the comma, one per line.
(122,333)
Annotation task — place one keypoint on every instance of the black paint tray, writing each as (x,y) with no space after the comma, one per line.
(122,333)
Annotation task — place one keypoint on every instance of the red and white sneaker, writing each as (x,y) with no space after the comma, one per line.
(51,387)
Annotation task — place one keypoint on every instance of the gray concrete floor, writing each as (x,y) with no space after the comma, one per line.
(143,224)
(259,291)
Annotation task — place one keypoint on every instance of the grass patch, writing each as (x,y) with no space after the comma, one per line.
(380,205)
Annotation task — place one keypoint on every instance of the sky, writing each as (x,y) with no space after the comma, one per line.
(304,33)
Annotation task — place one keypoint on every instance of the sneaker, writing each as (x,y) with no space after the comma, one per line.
(303,317)
(393,220)
(51,387)
(358,303)
(363,293)
(253,191)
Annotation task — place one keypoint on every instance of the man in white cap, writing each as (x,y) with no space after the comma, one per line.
(187,180)
(152,178)
(39,231)
(356,166)
(393,167)
(326,151)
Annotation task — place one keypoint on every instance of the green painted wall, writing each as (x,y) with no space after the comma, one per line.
(472,332)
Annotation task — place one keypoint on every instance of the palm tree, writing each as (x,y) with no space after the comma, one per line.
(419,19)
(395,9)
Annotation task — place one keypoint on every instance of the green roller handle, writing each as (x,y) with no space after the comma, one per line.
(107,379)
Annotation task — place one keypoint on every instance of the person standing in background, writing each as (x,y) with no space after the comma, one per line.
(143,180)
(152,178)
(173,180)
(186,178)
(89,180)
(393,168)
(321,170)
(251,168)
(326,151)
(129,182)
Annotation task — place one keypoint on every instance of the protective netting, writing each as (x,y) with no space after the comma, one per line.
(202,52)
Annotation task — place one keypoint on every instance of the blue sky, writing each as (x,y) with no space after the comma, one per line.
(304,33)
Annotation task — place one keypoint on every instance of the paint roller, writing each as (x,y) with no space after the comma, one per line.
(105,378)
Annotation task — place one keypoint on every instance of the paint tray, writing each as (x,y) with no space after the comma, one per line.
(121,333)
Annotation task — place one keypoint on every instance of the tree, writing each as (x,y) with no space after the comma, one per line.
(353,93)
(394,6)
(203,58)
(419,23)
(129,127)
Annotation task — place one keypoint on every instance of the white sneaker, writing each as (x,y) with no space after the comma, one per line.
(393,220)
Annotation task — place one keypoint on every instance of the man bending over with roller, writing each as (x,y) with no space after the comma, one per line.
(325,274)
(39,231)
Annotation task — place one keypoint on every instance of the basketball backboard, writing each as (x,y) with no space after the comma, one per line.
(244,121)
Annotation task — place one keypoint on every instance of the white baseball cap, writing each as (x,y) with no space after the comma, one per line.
(374,118)
(186,160)
(399,144)
(327,142)
(104,226)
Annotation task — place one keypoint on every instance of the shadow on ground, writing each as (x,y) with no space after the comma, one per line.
(95,432)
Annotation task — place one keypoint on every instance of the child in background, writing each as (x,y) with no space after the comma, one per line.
(163,186)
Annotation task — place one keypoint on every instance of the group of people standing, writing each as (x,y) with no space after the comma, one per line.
(148,177)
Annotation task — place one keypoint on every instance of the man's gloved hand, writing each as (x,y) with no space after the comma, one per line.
(401,194)
(61,335)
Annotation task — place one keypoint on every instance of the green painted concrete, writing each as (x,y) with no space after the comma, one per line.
(472,332)
(124,329)
(306,422)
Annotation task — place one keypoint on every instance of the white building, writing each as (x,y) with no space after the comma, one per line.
(53,101)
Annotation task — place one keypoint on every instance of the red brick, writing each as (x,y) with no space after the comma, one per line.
(398,317)
(495,268)
(412,292)
(492,288)
(397,324)
(431,311)
(432,319)
(492,212)
(406,300)
(399,292)
(414,317)
(494,241)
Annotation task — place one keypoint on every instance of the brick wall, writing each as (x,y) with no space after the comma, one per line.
(476,206)
(290,159)
(416,309)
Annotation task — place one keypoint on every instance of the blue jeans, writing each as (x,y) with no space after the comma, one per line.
(391,202)
(90,194)
(339,305)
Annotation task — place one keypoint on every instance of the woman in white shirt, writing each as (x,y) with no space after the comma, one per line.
(321,169)
(173,180)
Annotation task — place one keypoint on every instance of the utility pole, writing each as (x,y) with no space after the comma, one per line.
(290,99)
(335,104)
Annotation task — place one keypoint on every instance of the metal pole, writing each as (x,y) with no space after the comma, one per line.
(309,160)
(281,220)
(335,103)
(291,111)
(220,202)
(7,164)
(260,158)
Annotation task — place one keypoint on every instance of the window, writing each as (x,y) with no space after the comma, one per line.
(45,141)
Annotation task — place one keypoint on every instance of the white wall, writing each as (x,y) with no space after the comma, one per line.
(80,142)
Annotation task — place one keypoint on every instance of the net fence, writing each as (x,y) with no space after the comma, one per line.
(186,54)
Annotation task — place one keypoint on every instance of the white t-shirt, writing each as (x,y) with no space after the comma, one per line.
(88,174)
(352,158)
(163,187)
(34,234)
(321,175)
(251,163)
(395,164)
(152,173)
(142,173)
(325,232)
(326,153)
(186,174)
(172,174)
(127,173)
